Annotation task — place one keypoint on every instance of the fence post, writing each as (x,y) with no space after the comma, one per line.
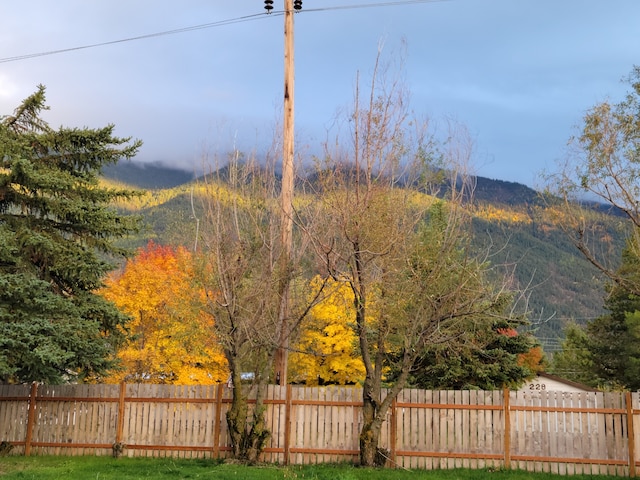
(120,426)
(507,428)
(31,417)
(287,425)
(631,438)
(394,430)
(218,420)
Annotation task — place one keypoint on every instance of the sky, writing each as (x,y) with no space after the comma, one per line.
(518,74)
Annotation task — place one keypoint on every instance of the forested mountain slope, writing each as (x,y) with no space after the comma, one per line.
(509,223)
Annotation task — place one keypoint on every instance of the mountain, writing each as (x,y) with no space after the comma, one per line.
(503,192)
(560,285)
(147,175)
(155,175)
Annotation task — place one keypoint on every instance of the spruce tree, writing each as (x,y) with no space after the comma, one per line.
(57,233)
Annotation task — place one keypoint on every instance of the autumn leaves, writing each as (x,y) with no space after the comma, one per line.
(172,337)
(171,334)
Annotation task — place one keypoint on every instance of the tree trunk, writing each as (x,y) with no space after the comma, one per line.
(374,413)
(370,437)
(248,436)
(236,421)
(371,422)
(257,436)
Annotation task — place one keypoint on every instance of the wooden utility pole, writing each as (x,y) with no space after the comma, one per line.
(286,195)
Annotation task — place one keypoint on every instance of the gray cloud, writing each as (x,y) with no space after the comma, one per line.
(520,73)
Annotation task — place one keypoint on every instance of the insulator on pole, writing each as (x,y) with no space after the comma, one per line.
(297,4)
(268,5)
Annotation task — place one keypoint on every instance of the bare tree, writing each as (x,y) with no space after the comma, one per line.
(238,268)
(241,269)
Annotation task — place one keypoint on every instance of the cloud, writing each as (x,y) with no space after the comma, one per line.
(521,73)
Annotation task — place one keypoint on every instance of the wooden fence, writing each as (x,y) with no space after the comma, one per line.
(558,432)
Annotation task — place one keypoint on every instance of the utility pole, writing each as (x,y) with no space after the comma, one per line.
(286,193)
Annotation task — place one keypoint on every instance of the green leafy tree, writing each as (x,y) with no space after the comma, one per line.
(402,252)
(603,164)
(475,343)
(56,236)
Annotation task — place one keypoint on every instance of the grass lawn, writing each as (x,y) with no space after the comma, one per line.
(108,468)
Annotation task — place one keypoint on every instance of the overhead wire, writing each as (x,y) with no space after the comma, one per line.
(246,18)
(371,5)
(138,37)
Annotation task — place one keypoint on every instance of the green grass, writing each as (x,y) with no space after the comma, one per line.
(107,468)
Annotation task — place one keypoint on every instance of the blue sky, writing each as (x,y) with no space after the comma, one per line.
(520,74)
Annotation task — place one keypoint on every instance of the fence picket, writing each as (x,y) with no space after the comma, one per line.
(473,446)
(635,401)
(418,423)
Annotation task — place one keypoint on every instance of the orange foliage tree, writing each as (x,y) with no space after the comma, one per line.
(171,335)
(534,359)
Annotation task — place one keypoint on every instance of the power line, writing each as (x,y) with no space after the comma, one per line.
(132,39)
(372,5)
(246,18)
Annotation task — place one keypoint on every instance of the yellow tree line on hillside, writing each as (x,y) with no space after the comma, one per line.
(484,211)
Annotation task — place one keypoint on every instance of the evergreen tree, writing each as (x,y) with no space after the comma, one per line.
(606,353)
(486,356)
(56,242)
(614,339)
(574,361)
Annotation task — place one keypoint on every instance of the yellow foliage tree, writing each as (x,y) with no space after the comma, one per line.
(171,334)
(327,349)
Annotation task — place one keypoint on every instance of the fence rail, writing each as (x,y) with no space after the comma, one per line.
(560,432)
